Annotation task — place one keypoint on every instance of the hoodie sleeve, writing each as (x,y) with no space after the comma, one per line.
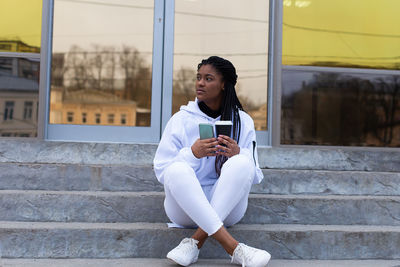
(171,149)
(248,145)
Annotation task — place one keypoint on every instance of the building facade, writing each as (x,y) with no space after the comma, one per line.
(311,72)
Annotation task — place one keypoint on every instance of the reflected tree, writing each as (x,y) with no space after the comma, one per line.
(102,68)
(77,65)
(387,99)
(184,87)
(137,76)
(338,109)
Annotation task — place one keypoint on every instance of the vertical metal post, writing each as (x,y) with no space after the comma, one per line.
(276,78)
(45,67)
(168,63)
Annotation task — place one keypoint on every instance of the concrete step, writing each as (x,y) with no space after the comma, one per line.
(145,240)
(82,206)
(44,176)
(88,206)
(143,262)
(328,182)
(349,159)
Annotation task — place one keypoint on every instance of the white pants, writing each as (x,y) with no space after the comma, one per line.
(189,204)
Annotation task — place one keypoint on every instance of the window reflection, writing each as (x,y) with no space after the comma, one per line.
(22,20)
(352,108)
(235,30)
(102,66)
(19,91)
(341,33)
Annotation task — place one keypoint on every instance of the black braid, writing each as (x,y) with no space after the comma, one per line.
(230,103)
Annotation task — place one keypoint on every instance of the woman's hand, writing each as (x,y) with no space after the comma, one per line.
(205,148)
(227,146)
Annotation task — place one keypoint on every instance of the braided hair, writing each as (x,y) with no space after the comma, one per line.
(230,105)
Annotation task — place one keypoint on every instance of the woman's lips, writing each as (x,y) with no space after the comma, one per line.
(199,91)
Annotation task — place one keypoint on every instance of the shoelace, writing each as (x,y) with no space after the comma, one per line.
(185,248)
(245,257)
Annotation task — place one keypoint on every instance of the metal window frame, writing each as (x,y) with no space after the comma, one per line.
(276,77)
(264,138)
(45,67)
(168,63)
(85,133)
(163,98)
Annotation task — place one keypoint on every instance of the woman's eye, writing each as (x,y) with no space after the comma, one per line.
(209,79)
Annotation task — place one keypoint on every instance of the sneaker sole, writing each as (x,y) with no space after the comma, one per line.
(176,262)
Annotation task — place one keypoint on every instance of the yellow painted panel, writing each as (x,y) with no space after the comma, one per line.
(20,25)
(343,33)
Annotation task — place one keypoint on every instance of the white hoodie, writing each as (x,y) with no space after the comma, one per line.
(182,131)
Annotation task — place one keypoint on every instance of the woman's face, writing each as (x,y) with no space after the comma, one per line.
(209,86)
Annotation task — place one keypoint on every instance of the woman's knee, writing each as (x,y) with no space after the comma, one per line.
(237,213)
(241,165)
(176,214)
(175,173)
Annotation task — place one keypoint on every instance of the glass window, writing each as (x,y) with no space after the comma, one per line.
(84,118)
(20,25)
(321,107)
(20,32)
(123,119)
(345,33)
(98,118)
(9,110)
(28,106)
(111,118)
(70,117)
(19,90)
(233,29)
(340,77)
(100,62)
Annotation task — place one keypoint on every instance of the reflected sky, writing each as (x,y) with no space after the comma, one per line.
(21,20)
(240,33)
(105,23)
(348,32)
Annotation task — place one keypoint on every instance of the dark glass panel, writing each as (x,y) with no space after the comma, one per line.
(348,108)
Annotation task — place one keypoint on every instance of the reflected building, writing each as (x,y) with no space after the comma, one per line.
(19,95)
(259,117)
(90,107)
(85,100)
(17,46)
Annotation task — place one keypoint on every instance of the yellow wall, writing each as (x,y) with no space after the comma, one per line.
(357,33)
(21,20)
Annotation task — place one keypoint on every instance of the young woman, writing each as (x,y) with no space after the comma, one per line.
(207,182)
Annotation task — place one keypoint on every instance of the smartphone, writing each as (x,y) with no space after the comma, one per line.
(206,130)
(223,127)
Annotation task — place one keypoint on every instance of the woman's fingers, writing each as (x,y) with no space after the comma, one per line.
(226,140)
(228,146)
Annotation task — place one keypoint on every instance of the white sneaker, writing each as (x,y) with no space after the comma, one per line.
(250,257)
(185,253)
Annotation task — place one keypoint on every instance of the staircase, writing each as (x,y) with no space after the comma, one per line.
(102,201)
